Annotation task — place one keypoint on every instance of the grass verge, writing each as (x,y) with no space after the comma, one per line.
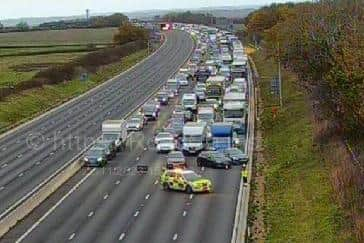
(17,109)
(298,194)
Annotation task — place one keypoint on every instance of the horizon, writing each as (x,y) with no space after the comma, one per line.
(12,10)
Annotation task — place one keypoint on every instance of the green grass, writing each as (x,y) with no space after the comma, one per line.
(70,36)
(299,207)
(9,76)
(19,108)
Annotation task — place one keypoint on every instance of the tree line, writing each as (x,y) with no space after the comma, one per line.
(323,42)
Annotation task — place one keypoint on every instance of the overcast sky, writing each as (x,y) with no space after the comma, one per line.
(45,8)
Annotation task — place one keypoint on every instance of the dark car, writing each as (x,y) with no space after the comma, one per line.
(95,157)
(236,156)
(108,146)
(162,97)
(213,159)
(150,111)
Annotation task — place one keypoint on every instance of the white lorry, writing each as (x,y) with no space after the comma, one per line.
(189,101)
(194,137)
(206,114)
(115,131)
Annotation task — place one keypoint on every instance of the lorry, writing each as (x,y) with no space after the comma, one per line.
(194,137)
(215,87)
(173,85)
(116,131)
(222,136)
(189,101)
(238,69)
(206,114)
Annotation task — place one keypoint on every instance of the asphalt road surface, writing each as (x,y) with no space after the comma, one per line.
(34,152)
(115,204)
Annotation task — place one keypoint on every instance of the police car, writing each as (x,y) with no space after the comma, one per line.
(184,180)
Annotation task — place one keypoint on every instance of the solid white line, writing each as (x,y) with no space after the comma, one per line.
(71,236)
(175,236)
(122,236)
(136,214)
(74,188)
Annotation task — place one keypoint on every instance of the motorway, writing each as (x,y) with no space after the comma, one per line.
(116,204)
(32,153)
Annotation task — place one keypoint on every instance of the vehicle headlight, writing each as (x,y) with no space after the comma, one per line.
(85,159)
(164,99)
(99,159)
(154,114)
(216,106)
(237,141)
(137,126)
(156,99)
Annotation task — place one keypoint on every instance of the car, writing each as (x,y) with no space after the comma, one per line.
(150,111)
(176,159)
(171,130)
(156,103)
(213,159)
(162,97)
(187,113)
(108,146)
(166,145)
(213,102)
(182,79)
(135,123)
(184,180)
(95,157)
(162,135)
(237,156)
(170,92)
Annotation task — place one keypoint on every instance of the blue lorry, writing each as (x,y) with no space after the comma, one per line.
(222,136)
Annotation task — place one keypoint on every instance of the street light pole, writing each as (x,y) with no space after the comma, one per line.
(280,77)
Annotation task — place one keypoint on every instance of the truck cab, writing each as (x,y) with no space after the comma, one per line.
(206,114)
(194,137)
(189,101)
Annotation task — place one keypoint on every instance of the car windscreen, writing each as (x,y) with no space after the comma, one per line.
(191,176)
(110,137)
(149,108)
(95,153)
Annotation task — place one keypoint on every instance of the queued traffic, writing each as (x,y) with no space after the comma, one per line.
(209,95)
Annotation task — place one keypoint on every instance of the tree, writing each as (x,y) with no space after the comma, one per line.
(22,26)
(128,32)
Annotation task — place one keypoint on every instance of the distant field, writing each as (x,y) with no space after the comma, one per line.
(58,37)
(35,51)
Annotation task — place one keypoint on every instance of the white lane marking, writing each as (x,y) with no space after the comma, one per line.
(121,237)
(128,169)
(72,236)
(106,196)
(137,158)
(184,213)
(175,236)
(2,188)
(202,168)
(147,196)
(4,165)
(91,214)
(136,214)
(38,162)
(35,225)
(156,182)
(117,182)
(191,196)
(21,174)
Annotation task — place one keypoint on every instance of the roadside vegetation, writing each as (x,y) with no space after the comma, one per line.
(34,83)
(313,149)
(298,203)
